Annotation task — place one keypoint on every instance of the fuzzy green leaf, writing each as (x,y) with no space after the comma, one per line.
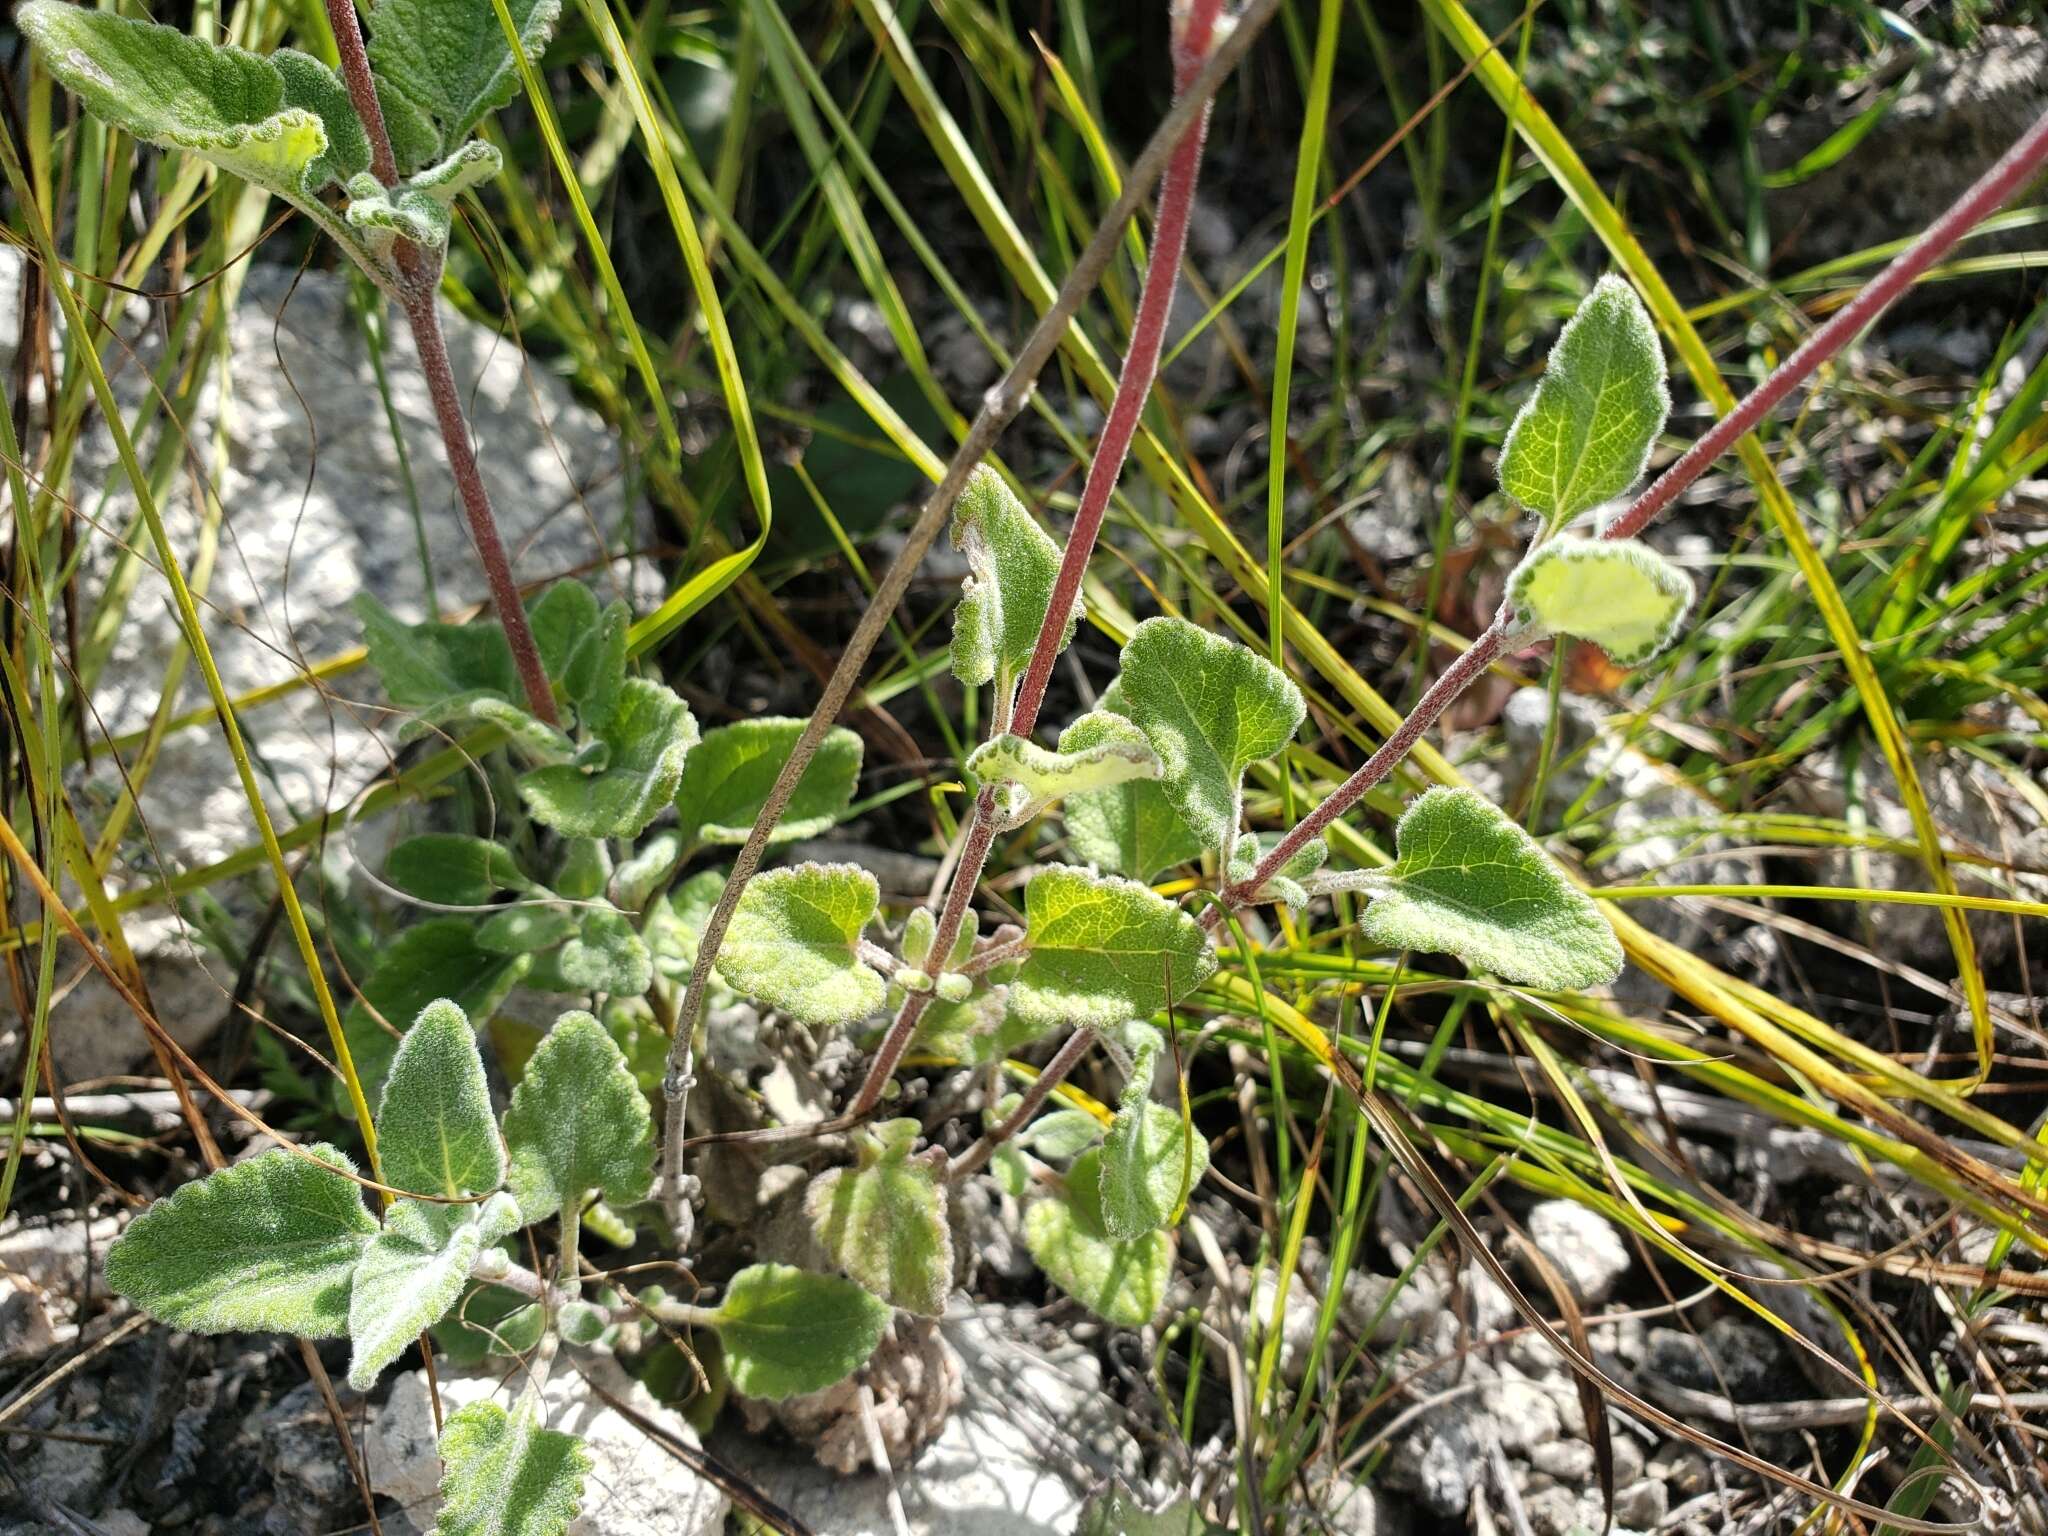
(1471,883)
(409,1278)
(1062,1134)
(607,956)
(1031,777)
(504,1474)
(282,123)
(1100,951)
(419,207)
(311,86)
(435,1133)
(921,929)
(1621,595)
(270,1243)
(585,869)
(1585,435)
(526,928)
(1133,829)
(453,870)
(1013,564)
(794,939)
(974,1029)
(439,958)
(730,772)
(450,58)
(647,868)
(578,1124)
(1286,883)
(1212,708)
(884,1221)
(786,1331)
(673,924)
(1150,1161)
(525,732)
(424,665)
(1115,1512)
(649,736)
(1121,1282)
(583,648)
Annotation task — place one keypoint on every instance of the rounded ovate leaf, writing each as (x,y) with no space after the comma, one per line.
(1620,594)
(1133,829)
(426,665)
(648,739)
(505,1474)
(453,870)
(794,943)
(786,1331)
(1211,708)
(1120,1282)
(884,1221)
(435,1132)
(1013,565)
(1100,950)
(1151,1161)
(582,1323)
(267,1244)
(439,958)
(1030,777)
(582,646)
(731,771)
(1060,1135)
(578,1124)
(1469,882)
(526,929)
(409,1278)
(1585,435)
(607,956)
(452,63)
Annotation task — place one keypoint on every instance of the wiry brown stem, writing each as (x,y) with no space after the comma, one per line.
(999,407)
(1069,1055)
(2014,169)
(421,271)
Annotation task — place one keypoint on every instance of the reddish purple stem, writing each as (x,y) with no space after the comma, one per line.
(2014,169)
(421,274)
(1133,387)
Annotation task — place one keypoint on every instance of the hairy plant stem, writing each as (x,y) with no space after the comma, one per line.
(1069,1055)
(1191,45)
(999,407)
(418,292)
(2013,170)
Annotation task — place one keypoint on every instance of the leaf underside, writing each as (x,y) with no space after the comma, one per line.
(1620,594)
(1471,883)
